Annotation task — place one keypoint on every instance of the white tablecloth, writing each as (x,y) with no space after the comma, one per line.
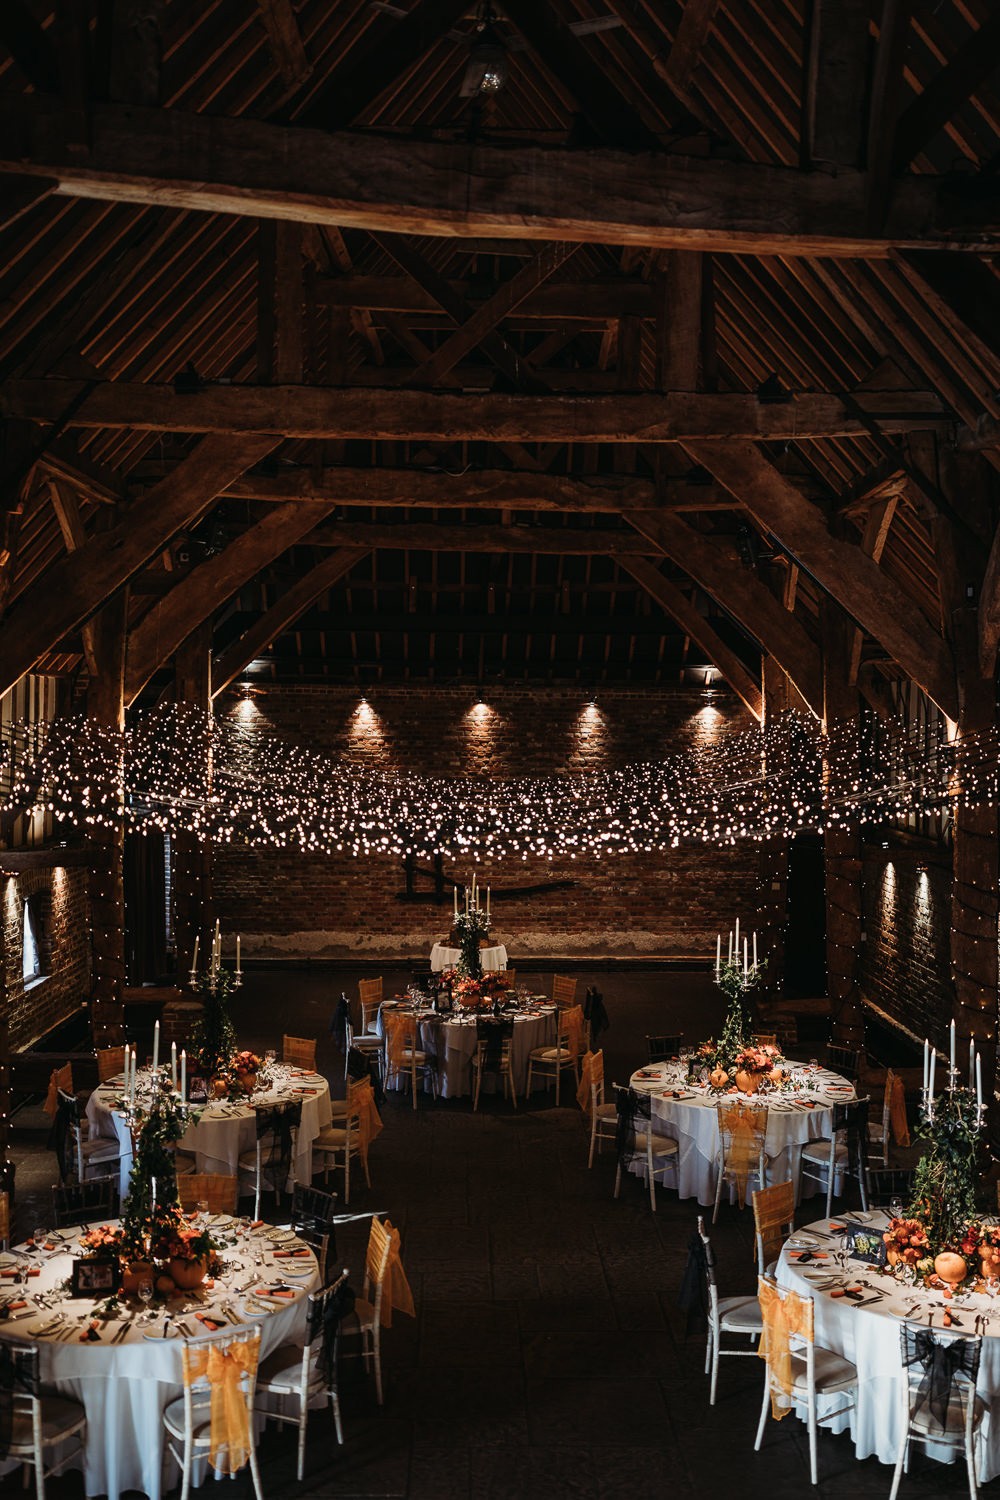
(869,1338)
(693,1123)
(452,1041)
(125,1387)
(446,958)
(226,1130)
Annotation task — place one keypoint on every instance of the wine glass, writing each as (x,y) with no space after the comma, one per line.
(145,1293)
(38,1235)
(203,1211)
(896,1206)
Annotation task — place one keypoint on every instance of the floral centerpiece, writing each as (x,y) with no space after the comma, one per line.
(103,1243)
(247,1065)
(214,1037)
(732,1063)
(489,989)
(187,1250)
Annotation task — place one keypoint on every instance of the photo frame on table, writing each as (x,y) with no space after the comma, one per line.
(865,1244)
(95,1278)
(197,1091)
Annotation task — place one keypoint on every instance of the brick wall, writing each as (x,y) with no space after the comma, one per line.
(60,897)
(670,903)
(906,963)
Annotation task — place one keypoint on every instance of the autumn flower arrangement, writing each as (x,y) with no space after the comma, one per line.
(469,992)
(177,1238)
(103,1243)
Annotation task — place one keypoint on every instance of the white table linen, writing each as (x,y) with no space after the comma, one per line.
(125,1387)
(443,957)
(869,1337)
(225,1130)
(693,1123)
(451,1041)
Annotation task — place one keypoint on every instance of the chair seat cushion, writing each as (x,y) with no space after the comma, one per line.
(61,1416)
(833,1373)
(332,1138)
(367,1041)
(740,1314)
(662,1144)
(924,1420)
(550,1055)
(607,1112)
(409,1059)
(101,1148)
(819,1153)
(281,1370)
(201,1417)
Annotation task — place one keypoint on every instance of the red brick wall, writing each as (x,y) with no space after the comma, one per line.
(906,962)
(65,947)
(670,903)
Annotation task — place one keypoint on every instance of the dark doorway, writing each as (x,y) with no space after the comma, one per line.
(805,937)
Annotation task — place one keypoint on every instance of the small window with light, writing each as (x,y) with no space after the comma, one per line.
(31,941)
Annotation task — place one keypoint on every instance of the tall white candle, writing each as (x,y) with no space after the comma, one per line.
(131,1086)
(737,939)
(718,953)
(487,901)
(927,1062)
(755,947)
(454,892)
(744,958)
(953,1046)
(238,969)
(972,1060)
(156,1046)
(184,1075)
(466,900)
(194,956)
(979,1080)
(173,1066)
(930,1084)
(730,958)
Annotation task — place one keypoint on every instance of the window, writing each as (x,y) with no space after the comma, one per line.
(31,950)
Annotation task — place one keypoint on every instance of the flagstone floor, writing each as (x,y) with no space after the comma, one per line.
(547,1358)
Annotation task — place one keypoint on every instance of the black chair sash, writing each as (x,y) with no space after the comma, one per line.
(313,1218)
(18,1376)
(633,1109)
(274,1133)
(595,1015)
(64,1128)
(692,1298)
(494,1034)
(364,1065)
(339,1020)
(327,1311)
(940,1360)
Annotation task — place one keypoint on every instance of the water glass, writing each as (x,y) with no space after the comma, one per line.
(896,1206)
(145,1293)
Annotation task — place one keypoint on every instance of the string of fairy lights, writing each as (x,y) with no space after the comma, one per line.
(178,769)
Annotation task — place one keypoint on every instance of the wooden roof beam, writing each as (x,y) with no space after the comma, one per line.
(283,613)
(689,42)
(70,591)
(670,598)
(242,166)
(201,592)
(556,301)
(285,40)
(561,541)
(873,599)
(972,65)
(445,416)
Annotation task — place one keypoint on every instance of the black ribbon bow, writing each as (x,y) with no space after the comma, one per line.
(941,1360)
(692,1297)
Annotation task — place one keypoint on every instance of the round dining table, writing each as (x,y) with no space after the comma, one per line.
(128,1371)
(222,1129)
(451,1041)
(688,1113)
(864,1327)
(445,957)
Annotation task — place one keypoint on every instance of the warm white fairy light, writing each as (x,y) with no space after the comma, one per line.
(176,769)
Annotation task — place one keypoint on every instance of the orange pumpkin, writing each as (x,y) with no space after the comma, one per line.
(747,1083)
(718,1078)
(950,1267)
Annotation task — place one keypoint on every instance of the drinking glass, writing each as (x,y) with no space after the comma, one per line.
(145,1293)
(896,1206)
(38,1235)
(203,1210)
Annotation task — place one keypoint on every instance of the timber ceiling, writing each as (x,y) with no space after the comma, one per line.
(467,433)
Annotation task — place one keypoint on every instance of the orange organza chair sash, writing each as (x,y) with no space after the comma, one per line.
(572,1025)
(897,1112)
(61,1078)
(591,1072)
(229,1436)
(396,1294)
(784,1315)
(361,1099)
(741,1128)
(400,1033)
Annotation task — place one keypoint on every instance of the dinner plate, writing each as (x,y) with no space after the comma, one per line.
(157,1335)
(221,1221)
(281,1236)
(802,1242)
(811,1275)
(251,1309)
(301,1272)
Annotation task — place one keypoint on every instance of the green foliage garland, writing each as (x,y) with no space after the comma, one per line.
(159,1130)
(213,1039)
(944,1184)
(470,927)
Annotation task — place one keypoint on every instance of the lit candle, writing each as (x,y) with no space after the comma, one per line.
(173,1066)
(156,1045)
(953,1046)
(131,1086)
(755,947)
(744,958)
(927,1062)
(972,1059)
(194,956)
(466,900)
(730,958)
(930,1082)
(979,1080)
(454,892)
(718,953)
(737,939)
(152,1183)
(238,969)
(184,1076)
(487,901)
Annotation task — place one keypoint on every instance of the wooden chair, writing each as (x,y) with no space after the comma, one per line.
(38,1421)
(84,1202)
(299,1052)
(551,1062)
(814,1372)
(370,997)
(880,1134)
(110,1062)
(735,1315)
(339,1144)
(774,1220)
(494,1040)
(563,990)
(404,1059)
(764,1038)
(921,1350)
(827,1161)
(302,1374)
(742,1139)
(187,1419)
(368,1307)
(634,1145)
(664,1048)
(603,1117)
(844,1060)
(217,1189)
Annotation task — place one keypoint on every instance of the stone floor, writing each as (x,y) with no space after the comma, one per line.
(547,1358)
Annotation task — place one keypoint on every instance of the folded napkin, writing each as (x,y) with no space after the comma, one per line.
(804,1255)
(49,1244)
(10,1307)
(258,1224)
(212,1324)
(26,1271)
(91,1334)
(284,1254)
(286,1293)
(307,1091)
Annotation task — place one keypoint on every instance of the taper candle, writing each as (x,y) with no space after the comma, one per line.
(930,1084)
(238,969)
(184,1076)
(156,1046)
(173,1066)
(718,953)
(755,947)
(979,1080)
(953,1046)
(194,956)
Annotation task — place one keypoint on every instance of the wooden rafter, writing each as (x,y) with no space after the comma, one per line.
(285,39)
(556,301)
(972,65)
(436,537)
(873,540)
(692,34)
(242,166)
(283,613)
(73,588)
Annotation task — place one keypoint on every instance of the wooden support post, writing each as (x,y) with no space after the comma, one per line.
(842,845)
(106,706)
(192,857)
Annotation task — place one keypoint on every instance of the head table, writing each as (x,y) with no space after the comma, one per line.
(226,1128)
(451,1040)
(865,1329)
(688,1113)
(131,1372)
